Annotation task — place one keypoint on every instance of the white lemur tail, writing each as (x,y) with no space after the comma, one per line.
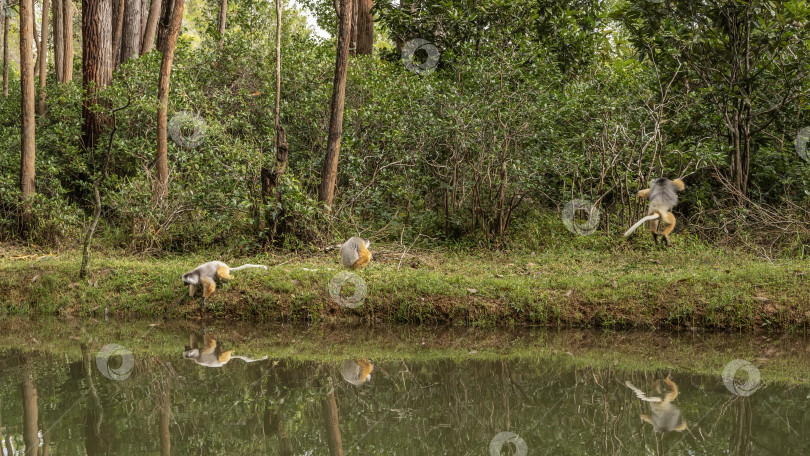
(249,266)
(639,223)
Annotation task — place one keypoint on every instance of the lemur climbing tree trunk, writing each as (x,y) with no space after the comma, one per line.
(326,192)
(148,42)
(43,58)
(28,126)
(171,19)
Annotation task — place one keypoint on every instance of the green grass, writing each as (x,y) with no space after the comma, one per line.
(581,283)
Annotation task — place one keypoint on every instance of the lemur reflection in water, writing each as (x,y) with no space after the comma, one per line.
(664,415)
(356,371)
(204,349)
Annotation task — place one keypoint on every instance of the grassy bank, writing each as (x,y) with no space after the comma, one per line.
(581,284)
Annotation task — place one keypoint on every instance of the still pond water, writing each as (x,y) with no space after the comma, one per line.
(191,394)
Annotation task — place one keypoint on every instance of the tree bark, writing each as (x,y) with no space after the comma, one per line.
(326,191)
(96,66)
(174,13)
(5,56)
(131,34)
(43,61)
(28,385)
(67,31)
(148,42)
(27,144)
(365,27)
(58,40)
(223,12)
(118,28)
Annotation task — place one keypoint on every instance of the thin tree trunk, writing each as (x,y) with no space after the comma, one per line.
(58,41)
(174,12)
(118,28)
(144,16)
(331,421)
(67,30)
(27,143)
(148,42)
(5,56)
(353,34)
(223,12)
(29,386)
(43,61)
(96,65)
(365,28)
(131,34)
(36,45)
(278,62)
(326,191)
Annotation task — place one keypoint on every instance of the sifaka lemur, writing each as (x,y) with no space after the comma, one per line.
(664,415)
(208,352)
(354,253)
(663,197)
(207,274)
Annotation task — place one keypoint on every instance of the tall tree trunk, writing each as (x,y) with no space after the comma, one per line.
(58,40)
(118,29)
(144,16)
(131,34)
(5,55)
(96,65)
(365,27)
(148,42)
(43,61)
(28,385)
(326,191)
(223,12)
(67,31)
(172,15)
(27,143)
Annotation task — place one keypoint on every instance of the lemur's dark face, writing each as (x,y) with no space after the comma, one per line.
(188,279)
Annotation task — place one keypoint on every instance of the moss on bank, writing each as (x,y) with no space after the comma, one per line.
(573,286)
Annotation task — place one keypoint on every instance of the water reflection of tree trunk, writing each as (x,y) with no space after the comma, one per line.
(30,409)
(94,439)
(741,443)
(9,448)
(330,418)
(273,423)
(165,419)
